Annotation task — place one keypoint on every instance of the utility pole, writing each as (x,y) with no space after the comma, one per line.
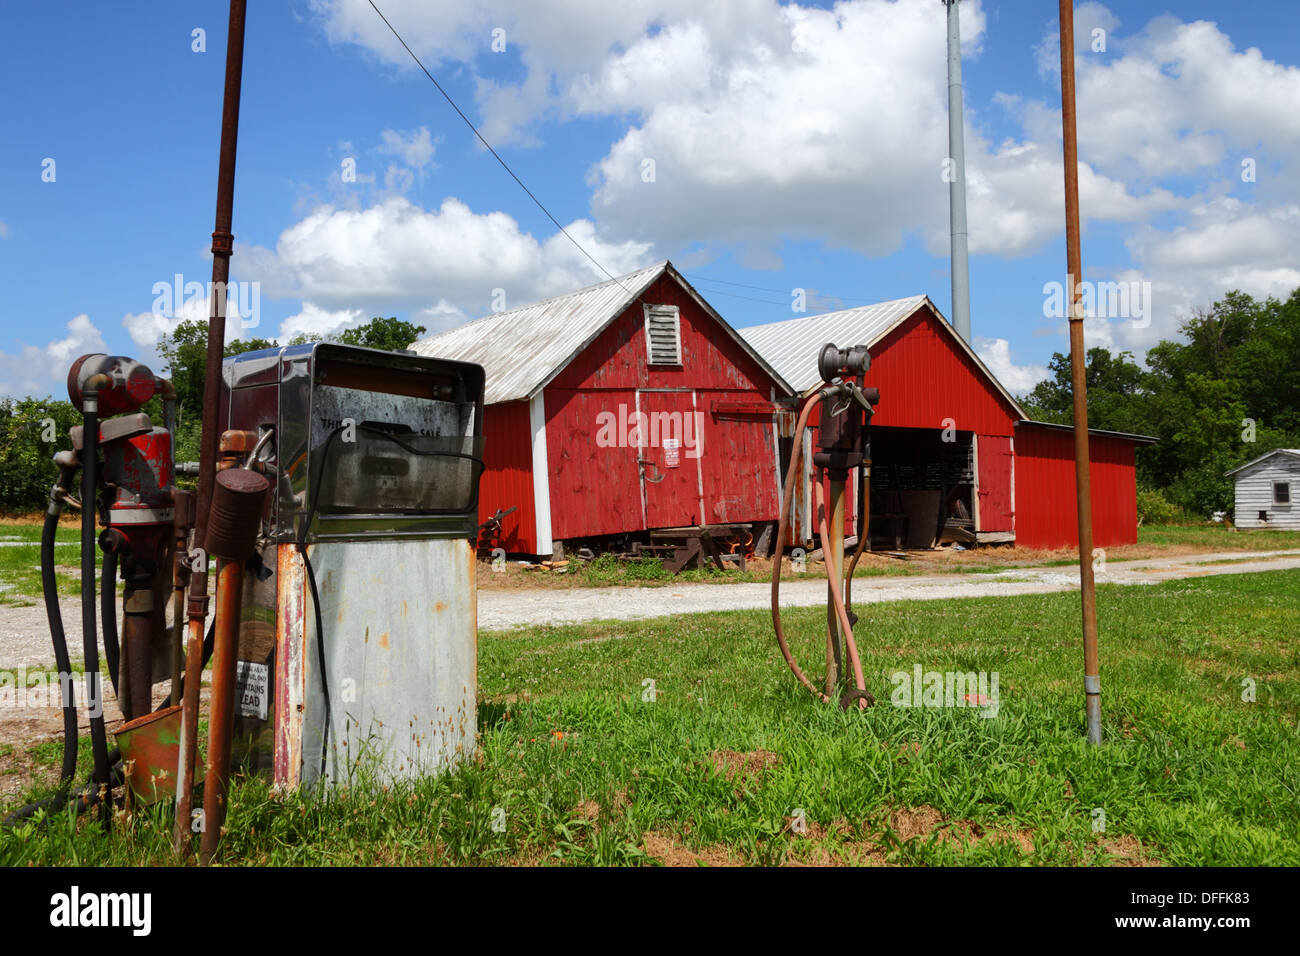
(222,245)
(1078,375)
(957,185)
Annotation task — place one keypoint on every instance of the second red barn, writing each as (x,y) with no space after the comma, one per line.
(954,457)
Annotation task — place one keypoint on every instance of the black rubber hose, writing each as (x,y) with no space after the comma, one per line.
(89,632)
(108,611)
(88,795)
(54,614)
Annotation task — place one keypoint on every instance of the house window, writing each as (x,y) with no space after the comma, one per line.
(1281,492)
(663,334)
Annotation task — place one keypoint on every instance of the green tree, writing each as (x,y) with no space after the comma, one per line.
(31,431)
(390,334)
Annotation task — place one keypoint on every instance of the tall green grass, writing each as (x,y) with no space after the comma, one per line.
(581,766)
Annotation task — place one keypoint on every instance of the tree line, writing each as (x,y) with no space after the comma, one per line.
(33,429)
(1225,394)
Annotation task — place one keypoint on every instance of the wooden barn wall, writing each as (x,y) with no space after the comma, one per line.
(597,490)
(924,377)
(1046,513)
(508,474)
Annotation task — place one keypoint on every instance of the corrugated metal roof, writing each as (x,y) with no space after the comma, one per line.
(1295,452)
(520,349)
(523,349)
(1100,432)
(791,345)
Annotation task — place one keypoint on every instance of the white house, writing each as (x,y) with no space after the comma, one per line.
(1267,489)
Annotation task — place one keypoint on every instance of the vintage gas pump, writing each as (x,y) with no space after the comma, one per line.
(843,446)
(357,648)
(126,488)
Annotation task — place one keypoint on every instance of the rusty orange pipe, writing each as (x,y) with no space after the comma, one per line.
(833,572)
(796,457)
(221,708)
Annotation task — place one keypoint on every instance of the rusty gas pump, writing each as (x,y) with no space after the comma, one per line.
(127,475)
(843,446)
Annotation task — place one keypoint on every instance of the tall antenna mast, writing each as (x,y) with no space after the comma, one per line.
(957,185)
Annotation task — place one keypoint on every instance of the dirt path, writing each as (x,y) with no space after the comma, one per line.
(25,638)
(498,610)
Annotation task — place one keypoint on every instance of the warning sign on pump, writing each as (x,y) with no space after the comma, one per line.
(251,689)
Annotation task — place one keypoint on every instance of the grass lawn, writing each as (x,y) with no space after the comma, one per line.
(20,560)
(732,762)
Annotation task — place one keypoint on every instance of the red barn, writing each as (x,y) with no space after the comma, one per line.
(622,407)
(953,455)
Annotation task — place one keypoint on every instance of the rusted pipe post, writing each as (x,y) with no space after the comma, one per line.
(238,500)
(834,560)
(221,714)
(222,244)
(1078,375)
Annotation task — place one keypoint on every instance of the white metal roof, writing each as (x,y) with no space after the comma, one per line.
(522,349)
(1294,452)
(791,345)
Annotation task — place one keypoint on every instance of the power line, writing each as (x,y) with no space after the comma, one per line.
(488,146)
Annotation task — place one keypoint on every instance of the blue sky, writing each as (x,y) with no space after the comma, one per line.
(793,147)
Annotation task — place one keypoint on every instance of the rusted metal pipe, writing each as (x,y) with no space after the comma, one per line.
(794,476)
(834,559)
(221,716)
(1078,378)
(238,499)
(222,245)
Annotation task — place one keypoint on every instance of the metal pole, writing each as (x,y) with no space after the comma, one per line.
(221,716)
(834,560)
(1078,374)
(957,186)
(222,243)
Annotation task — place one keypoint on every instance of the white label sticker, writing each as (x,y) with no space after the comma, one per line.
(251,682)
(672,456)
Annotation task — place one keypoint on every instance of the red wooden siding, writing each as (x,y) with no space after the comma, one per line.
(508,474)
(745,487)
(598,490)
(594,490)
(1046,515)
(670,480)
(994,482)
(925,377)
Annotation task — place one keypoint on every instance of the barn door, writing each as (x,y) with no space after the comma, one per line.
(995,484)
(668,456)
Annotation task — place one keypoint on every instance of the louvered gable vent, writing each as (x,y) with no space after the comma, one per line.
(663,331)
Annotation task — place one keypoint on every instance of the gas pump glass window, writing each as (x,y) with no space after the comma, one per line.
(396,443)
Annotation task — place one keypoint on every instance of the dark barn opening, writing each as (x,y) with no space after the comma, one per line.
(922,487)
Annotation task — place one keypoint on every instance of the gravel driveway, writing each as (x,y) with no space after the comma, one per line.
(25,639)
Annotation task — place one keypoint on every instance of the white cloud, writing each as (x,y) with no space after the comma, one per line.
(41,370)
(318,323)
(4,230)
(439,317)
(413,148)
(397,255)
(996,354)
